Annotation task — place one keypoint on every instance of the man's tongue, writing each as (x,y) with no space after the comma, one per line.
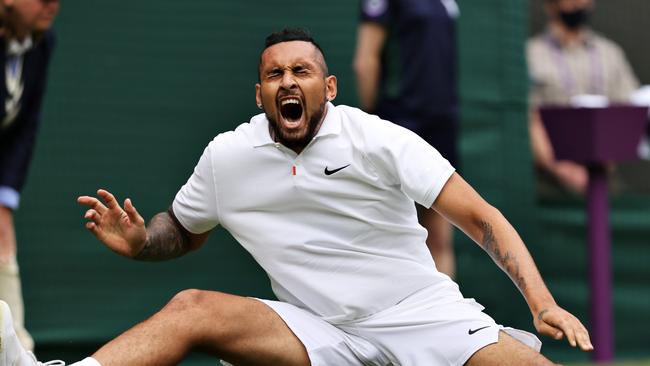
(291,112)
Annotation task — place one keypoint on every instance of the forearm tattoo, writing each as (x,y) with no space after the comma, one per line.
(165,239)
(540,316)
(507,261)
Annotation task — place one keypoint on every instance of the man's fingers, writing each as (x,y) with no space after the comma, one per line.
(570,335)
(558,323)
(133,214)
(551,331)
(93,228)
(93,203)
(572,328)
(565,326)
(582,337)
(93,216)
(584,342)
(109,199)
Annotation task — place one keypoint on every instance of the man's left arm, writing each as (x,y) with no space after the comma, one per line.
(464,207)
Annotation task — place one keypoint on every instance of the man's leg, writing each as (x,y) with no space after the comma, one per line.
(507,352)
(10,287)
(439,240)
(240,330)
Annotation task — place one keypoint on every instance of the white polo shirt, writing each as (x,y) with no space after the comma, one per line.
(335,227)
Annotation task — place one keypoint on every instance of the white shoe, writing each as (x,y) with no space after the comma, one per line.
(12,352)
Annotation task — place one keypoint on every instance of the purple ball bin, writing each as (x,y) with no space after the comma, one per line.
(595,137)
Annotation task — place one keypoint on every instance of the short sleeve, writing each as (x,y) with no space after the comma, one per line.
(378,11)
(195,205)
(417,167)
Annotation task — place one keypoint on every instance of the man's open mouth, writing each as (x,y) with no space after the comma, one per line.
(291,109)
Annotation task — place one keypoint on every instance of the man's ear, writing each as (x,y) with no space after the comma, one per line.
(331,87)
(258,95)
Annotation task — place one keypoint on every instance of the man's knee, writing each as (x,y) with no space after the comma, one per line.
(202,313)
(200,304)
(192,300)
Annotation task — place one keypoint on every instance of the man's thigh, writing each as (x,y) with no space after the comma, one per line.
(508,351)
(242,330)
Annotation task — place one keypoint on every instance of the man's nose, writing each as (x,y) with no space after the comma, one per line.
(288,81)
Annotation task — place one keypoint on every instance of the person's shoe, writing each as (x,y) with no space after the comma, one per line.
(12,352)
(32,358)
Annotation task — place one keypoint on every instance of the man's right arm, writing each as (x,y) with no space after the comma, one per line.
(168,239)
(123,230)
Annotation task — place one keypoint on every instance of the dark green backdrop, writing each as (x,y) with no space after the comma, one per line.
(138,88)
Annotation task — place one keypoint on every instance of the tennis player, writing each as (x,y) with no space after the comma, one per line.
(322,197)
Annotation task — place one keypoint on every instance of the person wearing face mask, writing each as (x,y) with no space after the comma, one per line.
(566,60)
(26,47)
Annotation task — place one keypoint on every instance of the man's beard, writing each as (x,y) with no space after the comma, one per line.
(289,139)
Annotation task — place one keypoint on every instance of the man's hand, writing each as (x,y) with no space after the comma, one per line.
(556,323)
(122,230)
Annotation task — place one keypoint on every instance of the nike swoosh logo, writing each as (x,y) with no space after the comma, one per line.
(472,331)
(330,172)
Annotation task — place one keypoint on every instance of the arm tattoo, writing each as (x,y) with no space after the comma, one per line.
(507,261)
(541,314)
(166,239)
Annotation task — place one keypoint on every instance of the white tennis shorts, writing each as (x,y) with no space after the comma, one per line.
(411,333)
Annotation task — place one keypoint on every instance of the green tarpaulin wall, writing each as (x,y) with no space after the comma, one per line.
(137,90)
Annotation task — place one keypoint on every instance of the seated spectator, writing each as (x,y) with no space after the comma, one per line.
(567,60)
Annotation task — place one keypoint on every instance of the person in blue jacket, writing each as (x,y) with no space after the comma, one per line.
(27,45)
(406,68)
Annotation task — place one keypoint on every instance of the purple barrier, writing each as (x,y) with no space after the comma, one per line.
(594,137)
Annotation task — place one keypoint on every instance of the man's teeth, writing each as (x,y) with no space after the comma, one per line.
(290,101)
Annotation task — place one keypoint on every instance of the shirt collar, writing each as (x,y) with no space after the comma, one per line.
(18,48)
(332,123)
(588,38)
(331,126)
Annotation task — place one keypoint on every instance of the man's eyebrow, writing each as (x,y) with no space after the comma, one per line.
(270,69)
(300,63)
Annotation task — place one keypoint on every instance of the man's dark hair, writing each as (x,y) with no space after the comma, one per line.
(293,34)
